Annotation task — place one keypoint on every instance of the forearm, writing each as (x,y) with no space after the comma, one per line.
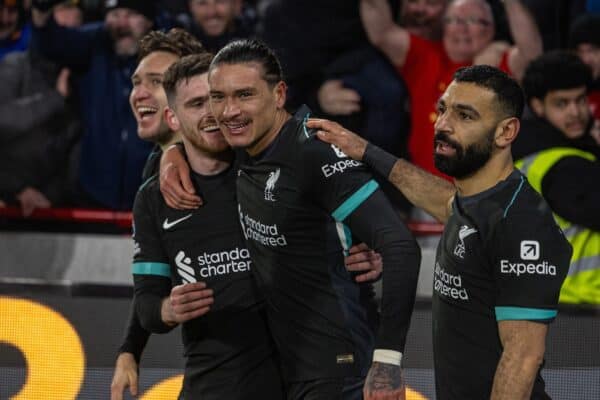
(136,337)
(424,190)
(376,223)
(150,293)
(376,17)
(523,29)
(515,376)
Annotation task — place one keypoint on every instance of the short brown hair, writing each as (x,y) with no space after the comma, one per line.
(176,41)
(184,69)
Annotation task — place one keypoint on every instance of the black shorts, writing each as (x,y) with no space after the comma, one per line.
(350,388)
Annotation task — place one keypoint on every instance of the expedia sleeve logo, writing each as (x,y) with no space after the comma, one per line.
(529,251)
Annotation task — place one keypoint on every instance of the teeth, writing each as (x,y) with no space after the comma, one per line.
(211,128)
(147,110)
(236,126)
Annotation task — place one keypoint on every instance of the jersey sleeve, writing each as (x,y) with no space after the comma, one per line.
(136,337)
(151,270)
(530,260)
(346,190)
(335,181)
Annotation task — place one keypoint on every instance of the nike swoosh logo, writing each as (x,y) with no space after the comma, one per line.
(168,225)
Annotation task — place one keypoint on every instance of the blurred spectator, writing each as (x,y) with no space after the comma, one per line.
(423,17)
(331,67)
(584,38)
(217,22)
(103,57)
(427,66)
(37,127)
(561,161)
(15,33)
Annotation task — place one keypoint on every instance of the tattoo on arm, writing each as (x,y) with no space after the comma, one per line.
(384,377)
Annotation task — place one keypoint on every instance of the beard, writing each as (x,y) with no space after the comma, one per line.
(466,161)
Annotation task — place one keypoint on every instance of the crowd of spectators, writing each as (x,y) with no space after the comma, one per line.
(69,138)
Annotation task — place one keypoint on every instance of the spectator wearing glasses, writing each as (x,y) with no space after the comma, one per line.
(427,66)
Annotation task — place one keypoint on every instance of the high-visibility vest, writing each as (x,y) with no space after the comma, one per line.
(582,284)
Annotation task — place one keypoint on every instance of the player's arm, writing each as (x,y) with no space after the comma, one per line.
(424,190)
(523,346)
(525,33)
(175,182)
(50,38)
(530,259)
(126,368)
(383,32)
(375,222)
(151,270)
(353,199)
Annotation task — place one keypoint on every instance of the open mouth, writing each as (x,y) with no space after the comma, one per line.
(211,128)
(444,148)
(236,128)
(146,112)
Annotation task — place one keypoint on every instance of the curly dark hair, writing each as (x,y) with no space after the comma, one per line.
(555,70)
(176,41)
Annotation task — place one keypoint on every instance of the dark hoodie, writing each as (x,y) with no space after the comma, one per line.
(572,186)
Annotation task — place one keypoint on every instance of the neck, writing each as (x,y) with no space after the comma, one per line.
(281,117)
(207,164)
(174,138)
(497,169)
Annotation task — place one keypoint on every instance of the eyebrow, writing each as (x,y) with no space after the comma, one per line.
(466,107)
(193,100)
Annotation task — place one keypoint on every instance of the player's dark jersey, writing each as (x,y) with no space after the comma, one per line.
(229,351)
(501,257)
(292,199)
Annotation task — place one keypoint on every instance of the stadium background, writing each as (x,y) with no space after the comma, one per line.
(62,320)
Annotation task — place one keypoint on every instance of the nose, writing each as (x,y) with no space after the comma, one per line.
(573,109)
(231,109)
(140,92)
(211,9)
(442,123)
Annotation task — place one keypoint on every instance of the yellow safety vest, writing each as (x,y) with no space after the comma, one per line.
(582,284)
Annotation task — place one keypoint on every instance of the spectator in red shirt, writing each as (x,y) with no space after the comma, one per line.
(423,17)
(427,67)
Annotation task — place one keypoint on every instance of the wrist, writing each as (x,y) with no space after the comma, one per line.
(379,160)
(387,356)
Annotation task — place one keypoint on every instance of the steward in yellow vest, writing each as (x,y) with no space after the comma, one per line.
(561,161)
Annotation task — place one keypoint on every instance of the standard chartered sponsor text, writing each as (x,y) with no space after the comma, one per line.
(267,235)
(224,262)
(449,285)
